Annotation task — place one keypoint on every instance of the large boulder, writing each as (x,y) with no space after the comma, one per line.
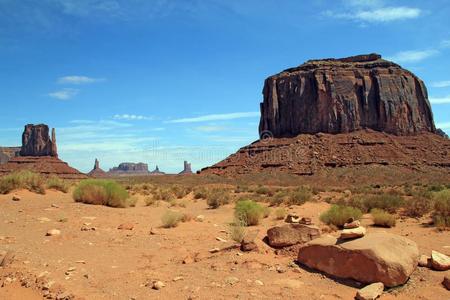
(376,257)
(36,141)
(291,234)
(344,95)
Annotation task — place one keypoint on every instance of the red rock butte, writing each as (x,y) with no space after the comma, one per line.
(349,112)
(39,154)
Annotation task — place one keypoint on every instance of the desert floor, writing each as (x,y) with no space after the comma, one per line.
(108,263)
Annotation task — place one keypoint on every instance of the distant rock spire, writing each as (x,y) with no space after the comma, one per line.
(187,168)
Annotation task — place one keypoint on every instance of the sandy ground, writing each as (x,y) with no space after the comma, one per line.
(109,263)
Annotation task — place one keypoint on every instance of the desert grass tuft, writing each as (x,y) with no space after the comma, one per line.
(338,215)
(22,180)
(249,212)
(102,192)
(58,184)
(171,219)
(382,218)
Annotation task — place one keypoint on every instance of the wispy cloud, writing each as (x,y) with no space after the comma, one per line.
(445,44)
(440,100)
(64,94)
(76,79)
(131,117)
(441,84)
(217,117)
(413,55)
(210,128)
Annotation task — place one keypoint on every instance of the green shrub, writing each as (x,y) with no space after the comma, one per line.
(249,212)
(266,212)
(217,198)
(150,201)
(22,180)
(58,184)
(237,230)
(180,191)
(338,215)
(171,219)
(164,194)
(385,202)
(279,198)
(299,196)
(280,213)
(200,193)
(102,192)
(241,189)
(263,190)
(441,214)
(382,218)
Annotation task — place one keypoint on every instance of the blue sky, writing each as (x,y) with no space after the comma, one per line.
(162,81)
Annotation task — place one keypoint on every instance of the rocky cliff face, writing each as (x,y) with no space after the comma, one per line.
(6,153)
(130,168)
(345,95)
(36,141)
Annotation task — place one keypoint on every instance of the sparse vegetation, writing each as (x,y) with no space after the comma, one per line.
(386,201)
(299,196)
(58,184)
(418,207)
(217,198)
(280,213)
(237,230)
(338,215)
(22,180)
(441,214)
(171,219)
(200,193)
(382,218)
(102,192)
(249,212)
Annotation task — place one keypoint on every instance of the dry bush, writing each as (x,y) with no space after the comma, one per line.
(418,207)
(280,213)
(58,184)
(263,190)
(241,189)
(102,192)
(164,194)
(22,180)
(249,212)
(385,201)
(382,218)
(279,198)
(441,214)
(150,201)
(338,215)
(171,218)
(201,193)
(186,217)
(299,196)
(218,197)
(237,230)
(180,191)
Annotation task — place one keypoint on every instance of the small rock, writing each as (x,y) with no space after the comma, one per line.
(259,282)
(88,228)
(446,282)
(214,250)
(178,278)
(71,269)
(6,258)
(292,218)
(188,260)
(16,198)
(280,269)
(43,219)
(200,218)
(157,285)
(153,231)
(248,242)
(231,280)
(126,226)
(351,225)
(370,292)
(353,233)
(64,296)
(439,261)
(53,232)
(48,285)
(55,205)
(221,239)
(424,261)
(306,221)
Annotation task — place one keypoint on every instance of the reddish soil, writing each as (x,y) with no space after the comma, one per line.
(108,263)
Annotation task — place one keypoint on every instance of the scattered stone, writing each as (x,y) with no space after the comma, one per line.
(221,240)
(446,282)
(153,231)
(214,250)
(231,280)
(290,283)
(157,285)
(178,278)
(6,258)
(64,296)
(53,232)
(259,282)
(126,226)
(48,285)
(351,225)
(88,228)
(370,292)
(376,257)
(291,234)
(439,261)
(280,269)
(43,219)
(16,198)
(353,233)
(188,260)
(292,218)
(306,221)
(55,205)
(200,218)
(424,261)
(248,242)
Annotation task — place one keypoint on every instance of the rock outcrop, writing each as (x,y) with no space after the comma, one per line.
(377,257)
(345,95)
(37,142)
(156,171)
(97,172)
(6,153)
(291,234)
(39,154)
(128,168)
(186,169)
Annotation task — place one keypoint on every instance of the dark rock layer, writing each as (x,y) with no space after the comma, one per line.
(36,141)
(345,95)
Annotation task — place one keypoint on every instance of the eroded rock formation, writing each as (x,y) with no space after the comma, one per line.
(6,153)
(130,168)
(37,142)
(156,171)
(186,168)
(345,95)
(97,171)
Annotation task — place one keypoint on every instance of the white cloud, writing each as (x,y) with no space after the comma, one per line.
(64,94)
(441,84)
(443,125)
(377,15)
(445,44)
(440,100)
(131,117)
(412,56)
(75,79)
(217,117)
